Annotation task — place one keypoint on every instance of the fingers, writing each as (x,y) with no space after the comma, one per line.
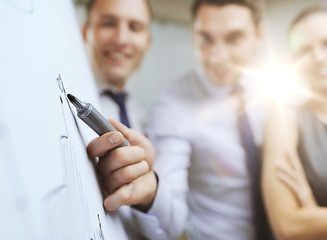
(125,175)
(285,169)
(288,180)
(294,160)
(121,197)
(125,172)
(288,175)
(140,192)
(133,136)
(119,158)
(145,191)
(99,146)
(136,139)
(290,159)
(297,183)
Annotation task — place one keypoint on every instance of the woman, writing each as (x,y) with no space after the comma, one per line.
(295,156)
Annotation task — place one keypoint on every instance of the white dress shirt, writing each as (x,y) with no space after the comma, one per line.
(136,114)
(203,177)
(137,119)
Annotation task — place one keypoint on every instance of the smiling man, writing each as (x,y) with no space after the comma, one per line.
(206,135)
(116,39)
(117,36)
(224,40)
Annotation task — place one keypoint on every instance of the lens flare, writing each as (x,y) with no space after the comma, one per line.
(279,84)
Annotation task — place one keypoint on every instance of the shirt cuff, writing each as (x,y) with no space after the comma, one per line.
(149,223)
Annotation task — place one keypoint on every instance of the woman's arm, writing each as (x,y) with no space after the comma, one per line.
(289,218)
(293,175)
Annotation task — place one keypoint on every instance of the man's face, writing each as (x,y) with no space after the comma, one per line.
(308,42)
(225,39)
(117,37)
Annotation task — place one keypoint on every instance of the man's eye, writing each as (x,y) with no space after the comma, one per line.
(108,24)
(206,39)
(136,27)
(234,39)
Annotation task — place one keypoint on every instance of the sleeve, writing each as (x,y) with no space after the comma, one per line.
(168,214)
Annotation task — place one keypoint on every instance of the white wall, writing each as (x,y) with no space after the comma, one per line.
(170,56)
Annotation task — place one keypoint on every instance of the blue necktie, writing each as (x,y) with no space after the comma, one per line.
(262,230)
(119,98)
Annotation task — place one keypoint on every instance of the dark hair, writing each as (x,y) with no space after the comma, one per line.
(304,14)
(251,5)
(90,4)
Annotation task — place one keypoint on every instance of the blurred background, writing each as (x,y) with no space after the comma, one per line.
(171,52)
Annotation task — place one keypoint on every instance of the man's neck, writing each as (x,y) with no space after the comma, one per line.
(104,84)
(117,85)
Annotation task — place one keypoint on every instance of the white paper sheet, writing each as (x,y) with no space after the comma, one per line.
(49,185)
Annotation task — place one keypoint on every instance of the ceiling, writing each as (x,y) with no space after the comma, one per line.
(165,10)
(175,10)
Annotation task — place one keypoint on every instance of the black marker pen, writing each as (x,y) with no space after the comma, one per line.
(93,118)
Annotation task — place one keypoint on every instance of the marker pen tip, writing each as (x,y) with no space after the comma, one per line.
(76,102)
(71,97)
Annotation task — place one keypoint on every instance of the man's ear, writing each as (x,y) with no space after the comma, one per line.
(84,31)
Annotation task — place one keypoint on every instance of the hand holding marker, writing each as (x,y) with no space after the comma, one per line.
(88,114)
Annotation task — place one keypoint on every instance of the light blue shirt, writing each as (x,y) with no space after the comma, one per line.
(204,182)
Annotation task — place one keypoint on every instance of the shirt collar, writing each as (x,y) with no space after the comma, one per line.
(212,89)
(249,85)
